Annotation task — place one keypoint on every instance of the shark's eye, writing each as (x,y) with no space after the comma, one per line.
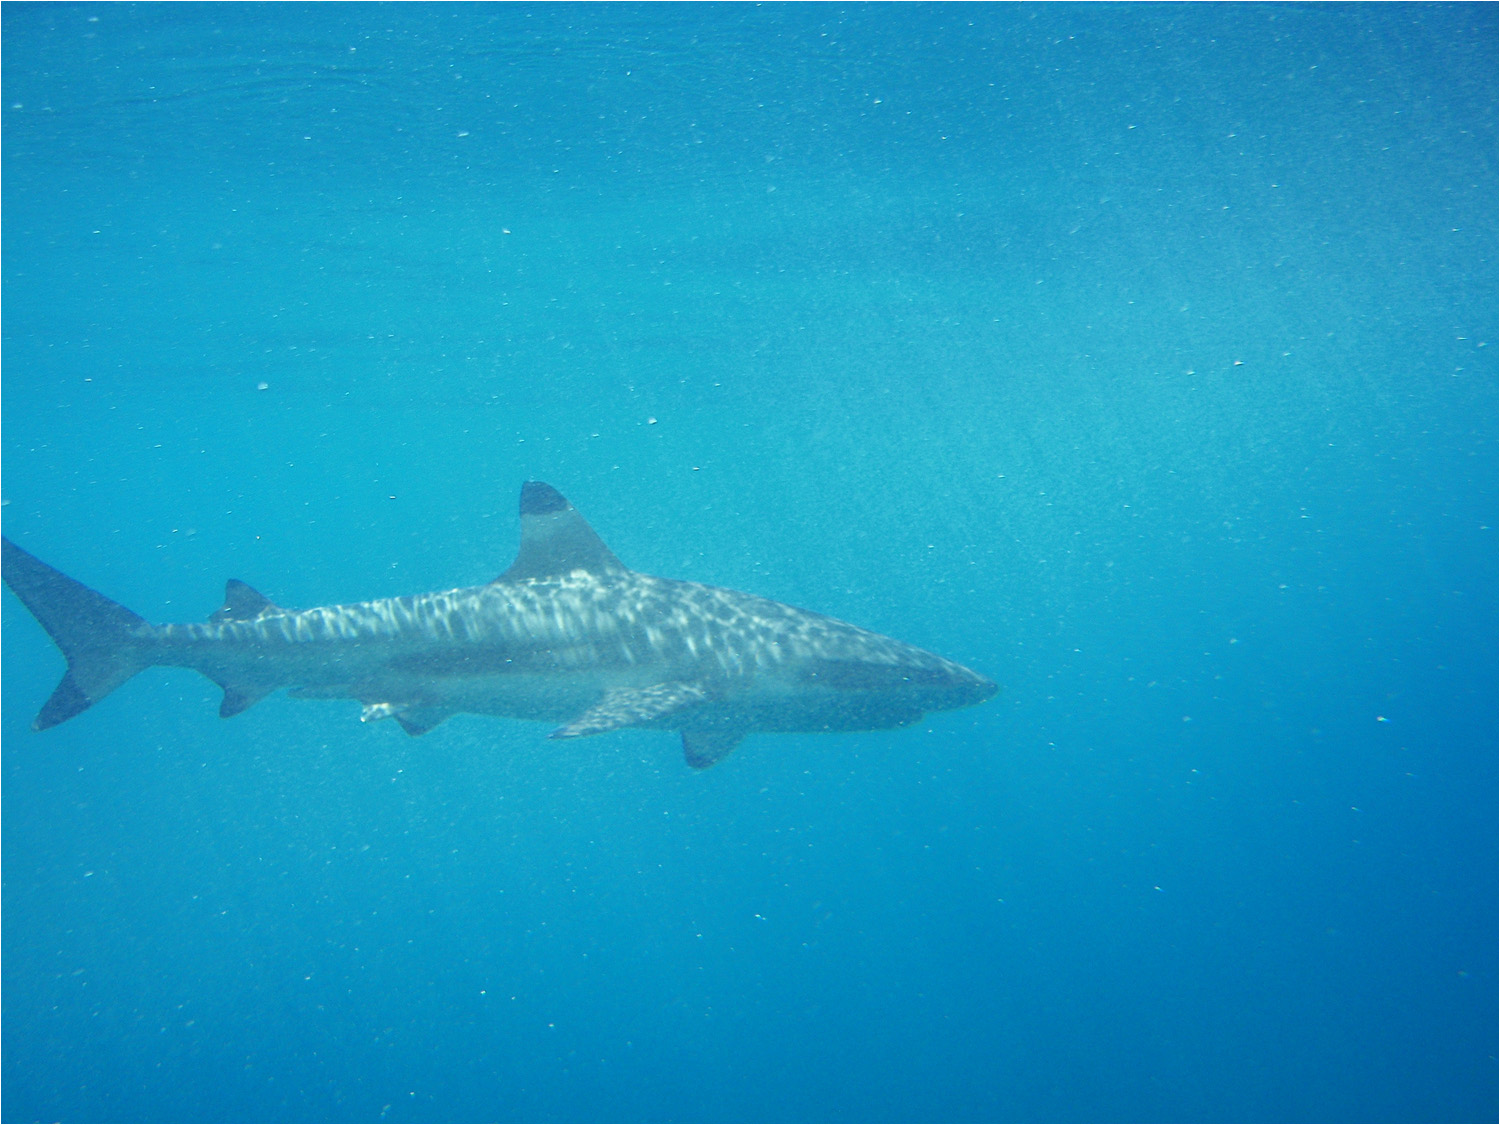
(857,675)
(566,634)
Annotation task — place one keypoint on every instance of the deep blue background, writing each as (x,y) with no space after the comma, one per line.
(1142,358)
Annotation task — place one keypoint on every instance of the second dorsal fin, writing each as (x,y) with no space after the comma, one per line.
(242,603)
(555,539)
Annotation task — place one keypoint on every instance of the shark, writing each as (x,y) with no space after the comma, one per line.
(566,635)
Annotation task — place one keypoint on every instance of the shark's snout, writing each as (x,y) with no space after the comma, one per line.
(943,685)
(986,690)
(972,688)
(566,634)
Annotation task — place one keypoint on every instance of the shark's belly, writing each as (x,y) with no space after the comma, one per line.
(792,713)
(557,683)
(554,696)
(551,699)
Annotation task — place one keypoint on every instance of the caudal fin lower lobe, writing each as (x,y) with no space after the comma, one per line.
(103,642)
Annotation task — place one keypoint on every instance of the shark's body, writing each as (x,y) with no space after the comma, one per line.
(566,635)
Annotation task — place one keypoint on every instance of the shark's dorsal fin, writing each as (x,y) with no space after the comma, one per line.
(242,603)
(555,539)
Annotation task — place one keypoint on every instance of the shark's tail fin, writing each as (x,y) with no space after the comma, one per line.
(104,643)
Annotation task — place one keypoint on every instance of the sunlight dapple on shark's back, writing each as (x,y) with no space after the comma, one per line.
(567,634)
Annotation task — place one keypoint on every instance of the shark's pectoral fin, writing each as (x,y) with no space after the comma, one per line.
(633,707)
(702,748)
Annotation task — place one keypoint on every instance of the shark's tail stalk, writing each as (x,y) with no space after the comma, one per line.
(104,643)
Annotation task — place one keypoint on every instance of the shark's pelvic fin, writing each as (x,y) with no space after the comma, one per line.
(413,719)
(566,629)
(104,643)
(702,748)
(420,720)
(633,707)
(373,712)
(242,603)
(556,540)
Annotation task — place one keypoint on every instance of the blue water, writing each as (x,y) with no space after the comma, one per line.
(1142,358)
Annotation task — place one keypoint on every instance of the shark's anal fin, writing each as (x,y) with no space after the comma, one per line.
(241,697)
(633,707)
(242,603)
(555,539)
(702,748)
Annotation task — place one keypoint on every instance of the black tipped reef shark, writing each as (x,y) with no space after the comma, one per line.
(566,635)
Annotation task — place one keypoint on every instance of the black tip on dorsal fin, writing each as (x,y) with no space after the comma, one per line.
(539,499)
(555,539)
(242,603)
